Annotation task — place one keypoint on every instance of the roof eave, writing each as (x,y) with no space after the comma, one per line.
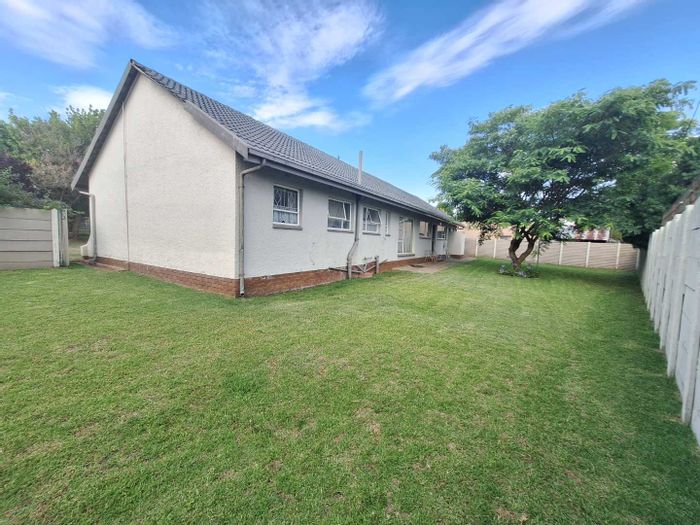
(302,171)
(223,133)
(105,125)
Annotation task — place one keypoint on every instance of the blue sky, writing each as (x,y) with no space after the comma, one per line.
(395,79)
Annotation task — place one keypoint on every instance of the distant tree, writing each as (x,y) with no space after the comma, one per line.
(52,150)
(577,160)
(54,147)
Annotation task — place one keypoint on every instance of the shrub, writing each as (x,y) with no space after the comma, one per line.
(527,271)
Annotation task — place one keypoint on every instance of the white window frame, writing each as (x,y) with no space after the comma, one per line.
(441,235)
(387,223)
(401,242)
(349,218)
(378,231)
(420,234)
(297,212)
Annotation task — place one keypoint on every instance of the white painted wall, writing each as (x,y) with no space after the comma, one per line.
(270,250)
(180,188)
(176,183)
(107,184)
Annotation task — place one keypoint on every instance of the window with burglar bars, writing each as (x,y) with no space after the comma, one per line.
(387,222)
(285,206)
(405,243)
(441,232)
(339,215)
(371,221)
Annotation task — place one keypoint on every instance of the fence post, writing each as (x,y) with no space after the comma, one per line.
(617,256)
(65,257)
(588,252)
(561,252)
(56,238)
(539,245)
(636,262)
(495,243)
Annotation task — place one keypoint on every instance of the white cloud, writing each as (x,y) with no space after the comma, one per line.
(74,32)
(83,96)
(296,110)
(500,29)
(286,47)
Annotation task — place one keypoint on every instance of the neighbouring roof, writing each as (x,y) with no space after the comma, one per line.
(262,141)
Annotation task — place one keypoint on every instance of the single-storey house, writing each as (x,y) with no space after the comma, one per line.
(189,190)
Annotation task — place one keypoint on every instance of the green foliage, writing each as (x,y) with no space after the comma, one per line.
(617,161)
(41,156)
(12,193)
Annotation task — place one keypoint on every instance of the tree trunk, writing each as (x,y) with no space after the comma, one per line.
(517,260)
(512,248)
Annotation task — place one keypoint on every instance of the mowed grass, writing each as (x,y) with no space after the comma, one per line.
(456,397)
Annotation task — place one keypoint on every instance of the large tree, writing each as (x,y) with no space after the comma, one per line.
(577,160)
(39,156)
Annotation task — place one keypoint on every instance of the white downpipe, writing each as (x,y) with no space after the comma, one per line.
(241,225)
(353,248)
(90,247)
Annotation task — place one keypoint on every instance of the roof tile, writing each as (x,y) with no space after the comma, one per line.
(287,149)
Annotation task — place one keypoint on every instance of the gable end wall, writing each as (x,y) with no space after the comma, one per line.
(178,193)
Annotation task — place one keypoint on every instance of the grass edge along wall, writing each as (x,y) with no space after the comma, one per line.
(671,286)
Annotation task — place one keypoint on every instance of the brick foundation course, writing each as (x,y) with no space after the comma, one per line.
(285,282)
(198,281)
(254,286)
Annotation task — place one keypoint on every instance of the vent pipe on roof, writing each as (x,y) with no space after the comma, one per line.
(359,169)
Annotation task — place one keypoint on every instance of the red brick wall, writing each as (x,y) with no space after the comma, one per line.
(391,265)
(290,281)
(198,281)
(254,286)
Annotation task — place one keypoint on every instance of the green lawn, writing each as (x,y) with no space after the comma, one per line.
(457,397)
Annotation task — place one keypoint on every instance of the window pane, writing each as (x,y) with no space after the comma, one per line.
(371,220)
(285,206)
(408,236)
(284,217)
(441,231)
(285,199)
(405,243)
(424,229)
(336,209)
(339,224)
(338,214)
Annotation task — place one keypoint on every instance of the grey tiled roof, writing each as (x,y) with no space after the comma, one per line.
(285,149)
